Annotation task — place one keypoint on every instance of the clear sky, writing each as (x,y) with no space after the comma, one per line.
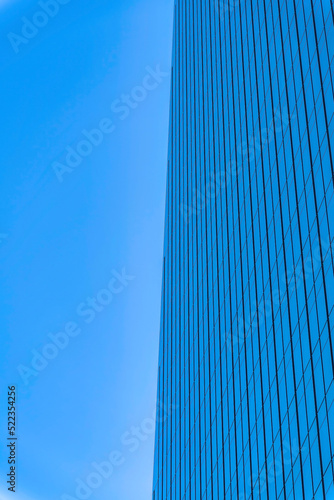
(84,127)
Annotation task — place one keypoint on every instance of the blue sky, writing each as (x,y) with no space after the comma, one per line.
(81,246)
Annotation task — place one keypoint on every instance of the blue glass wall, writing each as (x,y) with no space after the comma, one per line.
(245,383)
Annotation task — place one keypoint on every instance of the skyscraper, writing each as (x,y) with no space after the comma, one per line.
(246,358)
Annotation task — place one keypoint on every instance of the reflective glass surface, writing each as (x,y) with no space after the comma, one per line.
(246,363)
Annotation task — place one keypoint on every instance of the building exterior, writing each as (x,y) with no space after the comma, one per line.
(246,358)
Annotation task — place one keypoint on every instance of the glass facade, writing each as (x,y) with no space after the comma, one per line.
(246,358)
